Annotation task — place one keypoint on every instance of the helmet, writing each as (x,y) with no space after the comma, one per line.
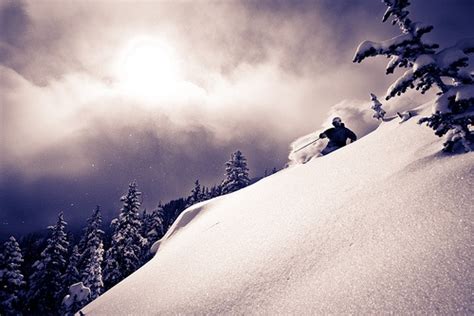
(336,121)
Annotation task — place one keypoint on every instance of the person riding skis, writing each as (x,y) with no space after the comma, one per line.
(337,136)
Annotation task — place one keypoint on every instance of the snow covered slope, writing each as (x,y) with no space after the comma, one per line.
(382,225)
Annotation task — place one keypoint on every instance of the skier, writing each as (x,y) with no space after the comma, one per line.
(337,136)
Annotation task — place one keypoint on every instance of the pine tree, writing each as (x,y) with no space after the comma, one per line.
(93,234)
(72,275)
(11,279)
(171,211)
(216,191)
(453,108)
(152,229)
(92,274)
(144,229)
(377,107)
(145,223)
(92,237)
(123,256)
(46,281)
(196,194)
(206,193)
(92,250)
(237,176)
(2,265)
(156,230)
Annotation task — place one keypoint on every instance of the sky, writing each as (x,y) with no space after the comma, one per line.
(96,94)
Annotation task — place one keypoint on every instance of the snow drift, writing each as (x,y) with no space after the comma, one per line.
(383,225)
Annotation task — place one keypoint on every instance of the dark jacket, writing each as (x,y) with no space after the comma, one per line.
(338,135)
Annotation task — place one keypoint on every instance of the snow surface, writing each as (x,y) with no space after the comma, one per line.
(381,226)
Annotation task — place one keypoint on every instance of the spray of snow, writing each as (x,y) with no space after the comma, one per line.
(356,115)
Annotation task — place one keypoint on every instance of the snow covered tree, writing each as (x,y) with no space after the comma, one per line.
(123,256)
(144,228)
(92,250)
(93,234)
(196,194)
(2,265)
(156,229)
(237,173)
(92,274)
(46,286)
(206,193)
(216,191)
(11,278)
(92,237)
(428,67)
(72,275)
(152,229)
(145,220)
(171,211)
(377,107)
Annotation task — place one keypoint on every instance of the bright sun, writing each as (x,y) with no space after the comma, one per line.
(149,68)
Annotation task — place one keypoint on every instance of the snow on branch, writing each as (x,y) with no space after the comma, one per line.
(455,100)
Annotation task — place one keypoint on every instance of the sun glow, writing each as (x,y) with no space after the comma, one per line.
(149,68)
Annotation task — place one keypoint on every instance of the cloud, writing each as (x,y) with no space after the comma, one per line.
(266,76)
(78,141)
(62,114)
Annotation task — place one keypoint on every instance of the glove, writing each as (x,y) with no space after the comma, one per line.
(322,135)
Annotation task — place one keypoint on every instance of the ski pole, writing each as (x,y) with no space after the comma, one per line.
(314,141)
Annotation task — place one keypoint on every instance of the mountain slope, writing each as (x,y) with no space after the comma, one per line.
(382,225)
